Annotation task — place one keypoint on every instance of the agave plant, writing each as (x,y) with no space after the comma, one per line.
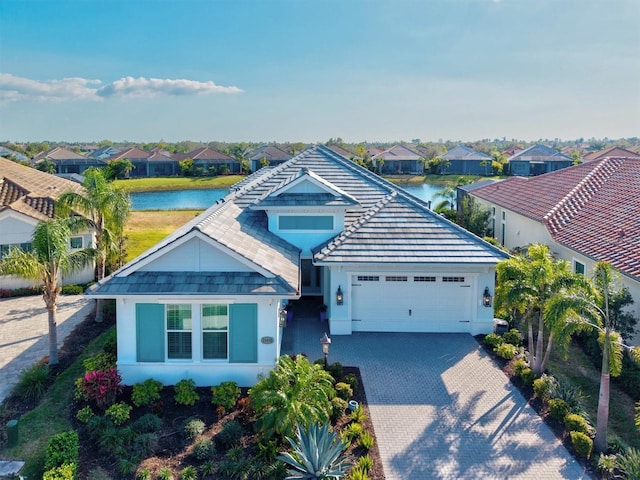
(317,454)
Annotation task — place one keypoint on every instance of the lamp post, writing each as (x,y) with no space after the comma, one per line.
(325,341)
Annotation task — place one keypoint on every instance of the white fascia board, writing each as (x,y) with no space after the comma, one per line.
(10,213)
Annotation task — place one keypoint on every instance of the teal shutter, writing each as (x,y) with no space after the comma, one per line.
(149,332)
(243,333)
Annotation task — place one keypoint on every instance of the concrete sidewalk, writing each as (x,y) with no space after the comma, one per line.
(24,332)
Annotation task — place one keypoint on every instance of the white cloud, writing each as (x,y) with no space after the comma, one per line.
(14,88)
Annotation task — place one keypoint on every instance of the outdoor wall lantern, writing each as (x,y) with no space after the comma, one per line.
(325,341)
(282,317)
(339,296)
(487,299)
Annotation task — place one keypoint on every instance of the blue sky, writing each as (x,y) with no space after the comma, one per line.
(297,70)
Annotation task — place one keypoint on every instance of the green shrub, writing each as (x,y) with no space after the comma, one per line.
(544,386)
(143,474)
(527,376)
(100,361)
(576,423)
(119,412)
(204,449)
(558,409)
(193,428)
(146,392)
(225,395)
(148,423)
(352,431)
(72,290)
(506,350)
(335,370)
(606,465)
(110,344)
(352,381)
(519,365)
(188,473)
(358,414)
(230,434)
(366,440)
(512,337)
(127,465)
(33,381)
(63,472)
(358,473)
(365,463)
(573,396)
(209,468)
(493,339)
(98,425)
(98,474)
(145,445)
(62,449)
(165,474)
(629,463)
(582,443)
(185,392)
(343,390)
(84,414)
(338,407)
(101,386)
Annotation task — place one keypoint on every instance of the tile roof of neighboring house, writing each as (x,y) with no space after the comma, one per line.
(160,156)
(609,152)
(6,152)
(271,153)
(59,153)
(104,152)
(398,152)
(592,208)
(384,224)
(30,191)
(204,153)
(539,153)
(462,152)
(131,154)
(342,151)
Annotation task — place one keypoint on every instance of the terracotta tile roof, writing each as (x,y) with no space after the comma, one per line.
(271,153)
(592,208)
(132,153)
(342,151)
(206,153)
(609,152)
(30,191)
(59,153)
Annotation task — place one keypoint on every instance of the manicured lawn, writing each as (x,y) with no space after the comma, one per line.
(434,179)
(145,229)
(177,183)
(578,370)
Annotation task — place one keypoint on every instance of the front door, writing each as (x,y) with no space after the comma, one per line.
(311,278)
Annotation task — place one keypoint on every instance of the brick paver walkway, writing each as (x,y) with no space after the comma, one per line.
(24,332)
(440,407)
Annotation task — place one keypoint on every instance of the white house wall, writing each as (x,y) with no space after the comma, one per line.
(204,373)
(195,255)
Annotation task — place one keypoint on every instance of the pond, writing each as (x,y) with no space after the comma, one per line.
(203,199)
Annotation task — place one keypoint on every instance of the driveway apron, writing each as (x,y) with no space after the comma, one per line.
(441,408)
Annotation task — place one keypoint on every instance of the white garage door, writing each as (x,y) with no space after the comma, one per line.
(411,303)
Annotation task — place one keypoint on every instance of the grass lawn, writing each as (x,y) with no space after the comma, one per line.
(444,180)
(157,184)
(578,370)
(145,229)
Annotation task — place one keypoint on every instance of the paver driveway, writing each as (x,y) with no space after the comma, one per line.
(440,407)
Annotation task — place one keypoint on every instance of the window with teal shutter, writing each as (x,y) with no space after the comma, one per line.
(179,331)
(149,332)
(243,333)
(215,328)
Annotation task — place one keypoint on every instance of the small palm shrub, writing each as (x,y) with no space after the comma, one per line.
(33,381)
(629,463)
(365,463)
(185,392)
(98,474)
(576,423)
(143,474)
(352,381)
(148,423)
(188,473)
(338,407)
(352,431)
(512,337)
(544,386)
(358,473)
(519,365)
(84,414)
(343,390)
(145,445)
(204,449)
(146,392)
(165,474)
(582,443)
(493,339)
(193,428)
(358,415)
(208,468)
(573,396)
(558,409)
(317,454)
(230,434)
(225,395)
(606,465)
(119,413)
(506,350)
(366,440)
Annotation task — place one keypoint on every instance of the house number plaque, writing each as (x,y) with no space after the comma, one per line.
(266,340)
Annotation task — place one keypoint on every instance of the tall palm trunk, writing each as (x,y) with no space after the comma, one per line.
(537,367)
(100,271)
(53,334)
(600,441)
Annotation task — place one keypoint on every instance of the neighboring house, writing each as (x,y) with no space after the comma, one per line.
(399,159)
(270,153)
(207,157)
(8,153)
(537,160)
(466,161)
(103,153)
(206,302)
(344,152)
(161,164)
(609,152)
(27,196)
(138,157)
(585,213)
(68,161)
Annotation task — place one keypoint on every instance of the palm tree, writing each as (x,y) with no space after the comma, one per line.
(530,285)
(449,195)
(48,261)
(107,207)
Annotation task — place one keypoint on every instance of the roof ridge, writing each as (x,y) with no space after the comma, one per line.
(569,206)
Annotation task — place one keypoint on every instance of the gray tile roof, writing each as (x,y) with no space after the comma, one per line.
(540,153)
(462,152)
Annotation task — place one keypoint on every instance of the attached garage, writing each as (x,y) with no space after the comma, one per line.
(412,303)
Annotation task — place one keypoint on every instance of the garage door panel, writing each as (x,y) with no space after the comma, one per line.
(411,306)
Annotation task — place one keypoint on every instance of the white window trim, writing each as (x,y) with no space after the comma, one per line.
(203,331)
(167,331)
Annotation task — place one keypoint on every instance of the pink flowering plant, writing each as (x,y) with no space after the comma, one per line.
(100,386)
